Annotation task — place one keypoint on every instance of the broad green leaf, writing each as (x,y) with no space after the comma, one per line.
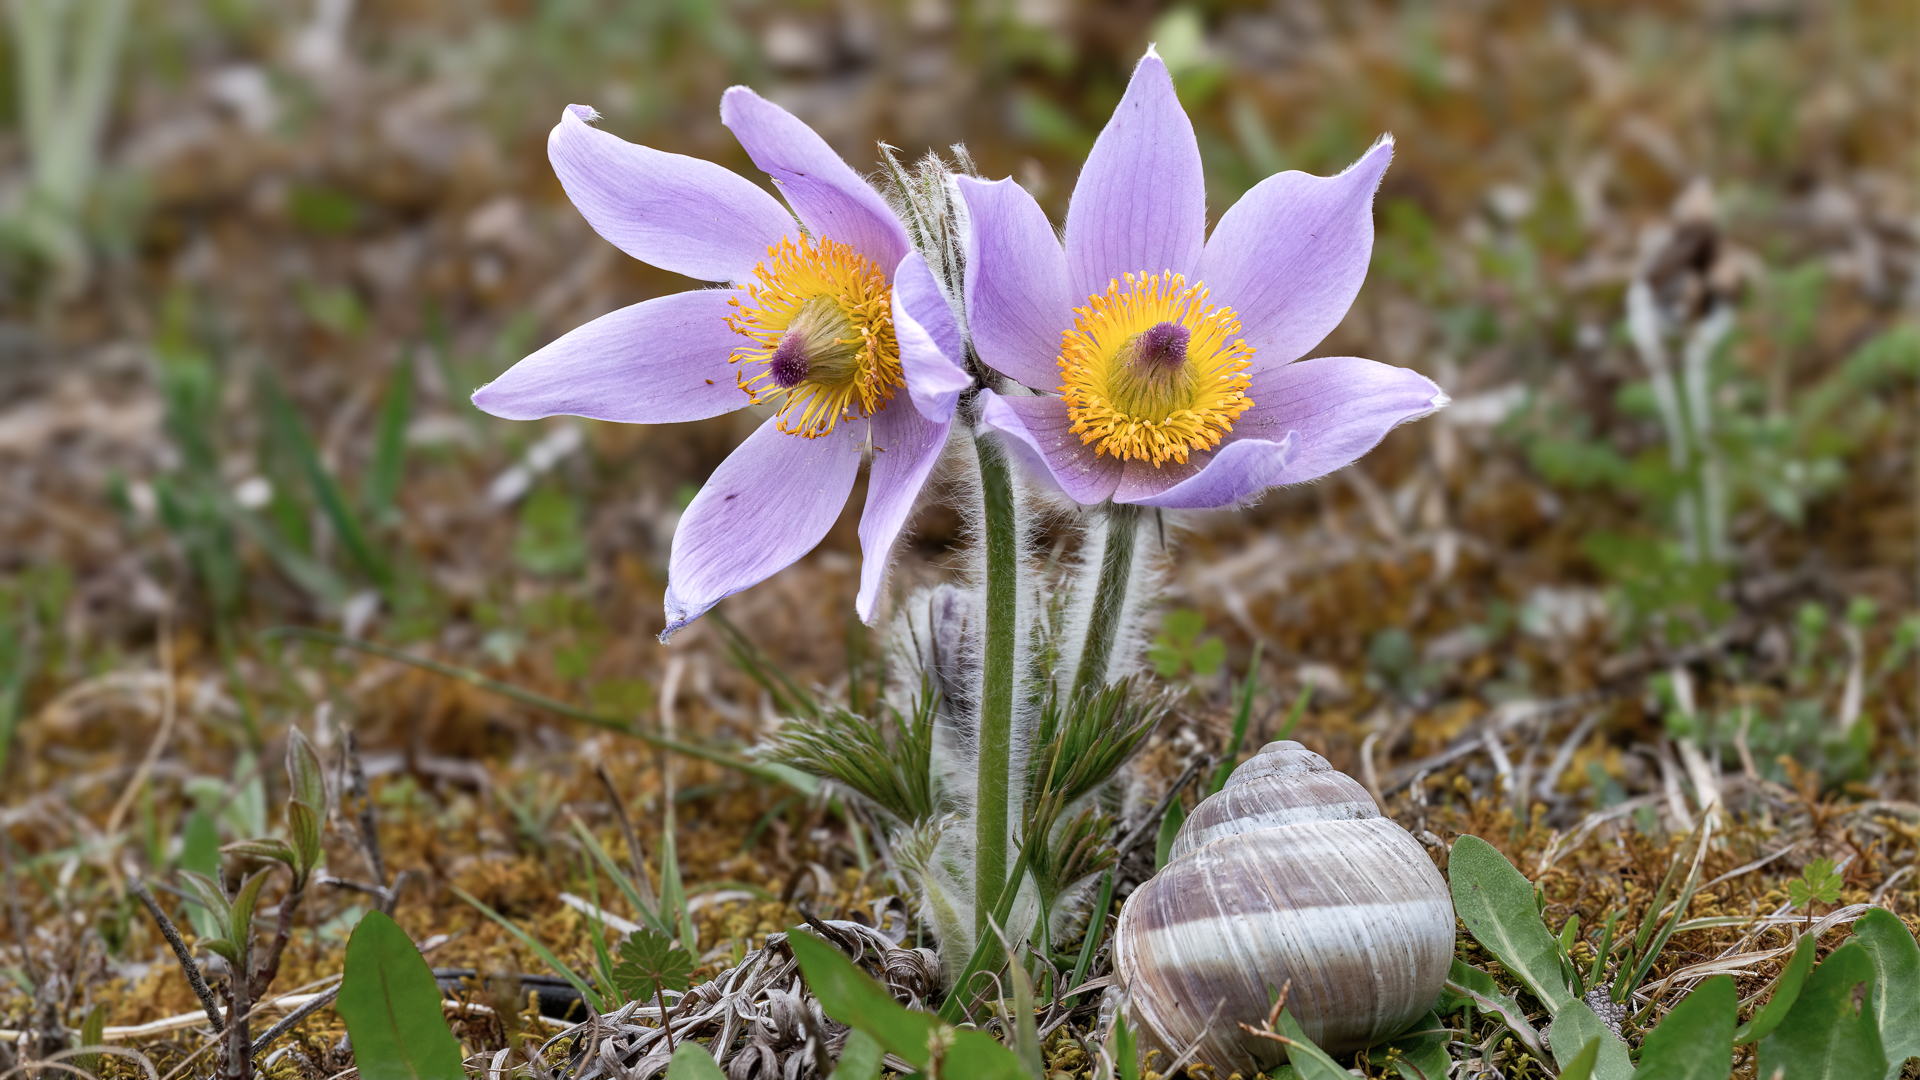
(1896,985)
(1576,1025)
(1831,1033)
(392,1007)
(1497,905)
(1695,1040)
(1308,1061)
(850,996)
(860,1058)
(691,1061)
(1420,1052)
(1581,1067)
(1786,990)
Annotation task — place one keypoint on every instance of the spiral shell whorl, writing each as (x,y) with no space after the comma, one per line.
(1288,873)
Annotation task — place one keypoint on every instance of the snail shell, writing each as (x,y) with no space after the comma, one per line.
(1287,873)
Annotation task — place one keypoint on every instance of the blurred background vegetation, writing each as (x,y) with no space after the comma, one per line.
(254,256)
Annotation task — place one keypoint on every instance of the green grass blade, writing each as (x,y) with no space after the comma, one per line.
(559,967)
(1241,716)
(384,472)
(333,501)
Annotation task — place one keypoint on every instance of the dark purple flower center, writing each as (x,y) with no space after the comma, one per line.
(789,363)
(1162,350)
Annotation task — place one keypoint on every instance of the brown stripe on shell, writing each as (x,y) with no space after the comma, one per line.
(1305,797)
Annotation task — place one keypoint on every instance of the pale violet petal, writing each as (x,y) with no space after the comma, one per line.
(658,362)
(1140,204)
(1290,256)
(675,212)
(929,340)
(906,446)
(823,189)
(1018,299)
(767,505)
(1037,430)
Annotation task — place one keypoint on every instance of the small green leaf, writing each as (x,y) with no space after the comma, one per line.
(1896,986)
(691,1061)
(1695,1040)
(303,823)
(1308,1060)
(240,919)
(391,1004)
(1786,990)
(860,1058)
(1207,656)
(263,848)
(1497,905)
(305,775)
(650,962)
(1831,1031)
(1817,882)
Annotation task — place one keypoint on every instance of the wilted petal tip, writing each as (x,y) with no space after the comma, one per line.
(585,113)
(1441,400)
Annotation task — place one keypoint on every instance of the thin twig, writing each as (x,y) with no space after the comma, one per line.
(282,933)
(182,953)
(287,1022)
(363,817)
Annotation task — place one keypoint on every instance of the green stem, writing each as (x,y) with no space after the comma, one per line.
(1109,599)
(994,776)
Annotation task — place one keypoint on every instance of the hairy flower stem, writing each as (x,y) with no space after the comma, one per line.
(1109,599)
(994,775)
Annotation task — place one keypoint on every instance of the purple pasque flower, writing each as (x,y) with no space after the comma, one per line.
(806,323)
(1165,359)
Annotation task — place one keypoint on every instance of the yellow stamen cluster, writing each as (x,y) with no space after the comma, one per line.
(1141,407)
(833,309)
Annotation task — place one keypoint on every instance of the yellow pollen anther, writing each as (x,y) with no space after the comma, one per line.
(1154,372)
(821,321)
